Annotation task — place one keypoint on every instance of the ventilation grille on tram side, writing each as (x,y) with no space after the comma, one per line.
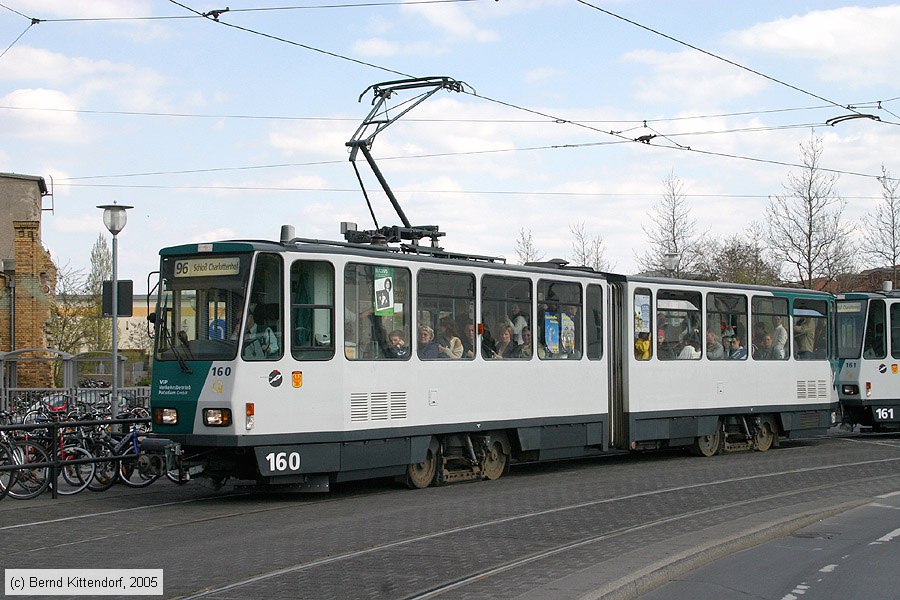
(377,406)
(816,389)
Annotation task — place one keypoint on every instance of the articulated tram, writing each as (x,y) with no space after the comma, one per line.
(868,358)
(306,362)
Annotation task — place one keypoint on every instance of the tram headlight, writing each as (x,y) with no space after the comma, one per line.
(217,417)
(165,416)
(850,390)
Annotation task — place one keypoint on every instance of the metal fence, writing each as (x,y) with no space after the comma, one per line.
(21,400)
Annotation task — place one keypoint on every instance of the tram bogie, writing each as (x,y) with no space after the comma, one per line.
(309,363)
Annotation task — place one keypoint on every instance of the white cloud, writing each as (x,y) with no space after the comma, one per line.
(221,233)
(452,20)
(540,74)
(852,44)
(39,111)
(690,78)
(376,47)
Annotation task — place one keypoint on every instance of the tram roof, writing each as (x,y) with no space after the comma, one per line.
(425,254)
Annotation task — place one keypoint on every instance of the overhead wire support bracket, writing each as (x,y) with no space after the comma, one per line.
(378,120)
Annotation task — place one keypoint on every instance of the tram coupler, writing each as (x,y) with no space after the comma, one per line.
(167,453)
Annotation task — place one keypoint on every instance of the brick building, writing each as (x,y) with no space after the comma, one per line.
(27,274)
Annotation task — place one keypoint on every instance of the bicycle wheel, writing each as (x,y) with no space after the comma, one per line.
(72,479)
(137,472)
(7,478)
(107,472)
(30,481)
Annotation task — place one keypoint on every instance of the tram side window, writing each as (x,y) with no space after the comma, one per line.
(770,324)
(895,330)
(559,324)
(506,311)
(594,325)
(312,310)
(810,329)
(726,327)
(643,308)
(445,300)
(678,325)
(376,312)
(874,342)
(263,330)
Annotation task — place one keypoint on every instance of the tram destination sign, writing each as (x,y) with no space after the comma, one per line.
(208,266)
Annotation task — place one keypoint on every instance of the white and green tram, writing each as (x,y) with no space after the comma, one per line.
(306,362)
(868,358)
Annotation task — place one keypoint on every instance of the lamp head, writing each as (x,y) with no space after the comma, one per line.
(115,217)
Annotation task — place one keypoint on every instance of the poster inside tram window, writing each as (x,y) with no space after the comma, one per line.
(567,333)
(384,291)
(551,332)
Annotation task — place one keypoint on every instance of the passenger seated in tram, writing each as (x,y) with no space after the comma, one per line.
(691,349)
(448,342)
(427,347)
(506,347)
(397,347)
(664,348)
(468,340)
(642,346)
(517,321)
(737,350)
(714,348)
(764,351)
(526,348)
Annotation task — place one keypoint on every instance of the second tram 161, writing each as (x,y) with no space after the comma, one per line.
(868,358)
(304,362)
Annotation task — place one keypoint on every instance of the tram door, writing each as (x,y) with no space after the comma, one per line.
(618,334)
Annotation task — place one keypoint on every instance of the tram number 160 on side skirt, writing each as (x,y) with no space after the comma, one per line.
(278,461)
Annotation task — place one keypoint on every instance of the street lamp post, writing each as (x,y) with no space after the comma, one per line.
(115,217)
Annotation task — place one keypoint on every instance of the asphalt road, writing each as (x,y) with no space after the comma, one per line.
(851,555)
(612,527)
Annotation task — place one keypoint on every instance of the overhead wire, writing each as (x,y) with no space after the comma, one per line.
(715,56)
(215,19)
(214,16)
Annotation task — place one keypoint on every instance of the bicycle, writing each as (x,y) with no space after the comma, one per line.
(24,482)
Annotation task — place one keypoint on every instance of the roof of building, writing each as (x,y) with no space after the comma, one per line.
(36,178)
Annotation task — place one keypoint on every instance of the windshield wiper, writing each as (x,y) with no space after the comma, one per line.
(170,340)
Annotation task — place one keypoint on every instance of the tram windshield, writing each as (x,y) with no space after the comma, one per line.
(851,325)
(200,305)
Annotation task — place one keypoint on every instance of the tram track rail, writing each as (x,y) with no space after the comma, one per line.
(374,530)
(535,557)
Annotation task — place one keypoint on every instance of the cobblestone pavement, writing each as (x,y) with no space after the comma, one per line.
(605,527)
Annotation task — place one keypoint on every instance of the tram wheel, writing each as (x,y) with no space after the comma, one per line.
(708,445)
(421,475)
(496,462)
(765,434)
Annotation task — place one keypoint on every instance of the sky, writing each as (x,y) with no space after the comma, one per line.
(229,129)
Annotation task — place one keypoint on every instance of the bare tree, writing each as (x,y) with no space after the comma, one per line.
(671,229)
(806,228)
(101,270)
(588,251)
(741,258)
(525,248)
(881,242)
(65,329)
